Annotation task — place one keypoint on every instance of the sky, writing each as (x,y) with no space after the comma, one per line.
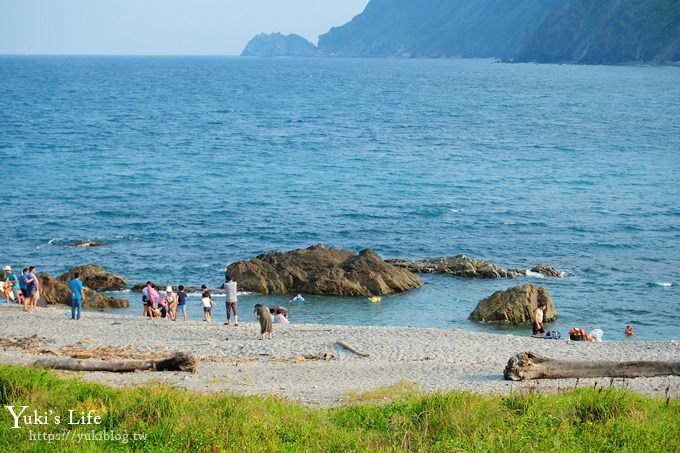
(160,27)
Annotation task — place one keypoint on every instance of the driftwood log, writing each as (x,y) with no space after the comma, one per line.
(181,361)
(528,365)
(351,348)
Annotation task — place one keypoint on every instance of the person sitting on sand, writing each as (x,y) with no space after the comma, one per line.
(629,331)
(263,315)
(279,314)
(207,302)
(11,288)
(537,327)
(182,302)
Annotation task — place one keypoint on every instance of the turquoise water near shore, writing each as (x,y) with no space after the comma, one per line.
(183,165)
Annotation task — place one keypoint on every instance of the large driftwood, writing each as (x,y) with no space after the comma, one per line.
(181,361)
(351,348)
(528,365)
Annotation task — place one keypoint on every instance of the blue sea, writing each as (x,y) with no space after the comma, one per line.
(183,165)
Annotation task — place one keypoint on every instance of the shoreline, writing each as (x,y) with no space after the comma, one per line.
(434,359)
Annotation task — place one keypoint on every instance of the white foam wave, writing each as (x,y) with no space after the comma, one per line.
(664,284)
(533,274)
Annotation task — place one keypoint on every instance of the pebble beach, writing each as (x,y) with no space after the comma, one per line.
(234,359)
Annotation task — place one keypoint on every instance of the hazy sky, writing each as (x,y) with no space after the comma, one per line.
(155,27)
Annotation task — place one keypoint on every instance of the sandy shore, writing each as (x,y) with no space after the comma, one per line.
(435,359)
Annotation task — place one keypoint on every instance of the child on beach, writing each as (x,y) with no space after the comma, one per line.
(181,302)
(537,327)
(171,300)
(208,303)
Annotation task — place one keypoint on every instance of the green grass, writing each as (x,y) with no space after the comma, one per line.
(580,420)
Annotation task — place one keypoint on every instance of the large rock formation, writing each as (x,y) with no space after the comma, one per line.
(514,306)
(278,45)
(55,291)
(96,278)
(322,270)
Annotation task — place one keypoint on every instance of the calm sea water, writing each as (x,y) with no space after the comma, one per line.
(183,165)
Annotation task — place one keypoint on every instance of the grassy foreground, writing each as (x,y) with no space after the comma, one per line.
(579,420)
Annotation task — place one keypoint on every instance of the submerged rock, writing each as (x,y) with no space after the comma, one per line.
(55,291)
(322,270)
(95,277)
(514,306)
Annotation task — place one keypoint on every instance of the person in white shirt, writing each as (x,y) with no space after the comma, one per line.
(232,300)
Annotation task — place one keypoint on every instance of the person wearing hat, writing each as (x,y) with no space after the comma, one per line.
(11,285)
(171,300)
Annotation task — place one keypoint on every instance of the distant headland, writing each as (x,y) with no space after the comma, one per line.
(543,31)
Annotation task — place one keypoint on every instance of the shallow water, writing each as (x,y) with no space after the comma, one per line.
(183,165)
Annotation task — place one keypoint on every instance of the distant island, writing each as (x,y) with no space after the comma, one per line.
(279,45)
(543,31)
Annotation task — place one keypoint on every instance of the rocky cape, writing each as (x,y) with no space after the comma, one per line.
(514,306)
(463,266)
(322,270)
(546,31)
(279,45)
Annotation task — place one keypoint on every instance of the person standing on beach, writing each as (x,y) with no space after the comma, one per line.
(11,285)
(181,301)
(171,300)
(263,315)
(77,296)
(33,287)
(149,298)
(537,327)
(23,285)
(232,300)
(207,302)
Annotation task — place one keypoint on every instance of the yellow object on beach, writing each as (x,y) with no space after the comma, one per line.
(375,299)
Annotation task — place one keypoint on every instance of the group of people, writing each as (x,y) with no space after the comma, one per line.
(23,289)
(576,334)
(171,303)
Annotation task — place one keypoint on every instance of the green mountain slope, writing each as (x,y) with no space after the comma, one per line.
(438,28)
(608,31)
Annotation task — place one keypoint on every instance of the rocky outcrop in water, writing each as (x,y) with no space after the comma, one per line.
(55,291)
(96,278)
(546,270)
(463,266)
(322,270)
(459,266)
(514,306)
(278,45)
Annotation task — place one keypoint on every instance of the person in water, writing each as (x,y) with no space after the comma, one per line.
(629,331)
(537,327)
(298,298)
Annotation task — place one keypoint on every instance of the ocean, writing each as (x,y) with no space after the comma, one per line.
(182,165)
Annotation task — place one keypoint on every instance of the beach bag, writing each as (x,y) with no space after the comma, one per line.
(553,335)
(153,295)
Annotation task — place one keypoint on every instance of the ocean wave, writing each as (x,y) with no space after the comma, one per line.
(663,284)
(530,273)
